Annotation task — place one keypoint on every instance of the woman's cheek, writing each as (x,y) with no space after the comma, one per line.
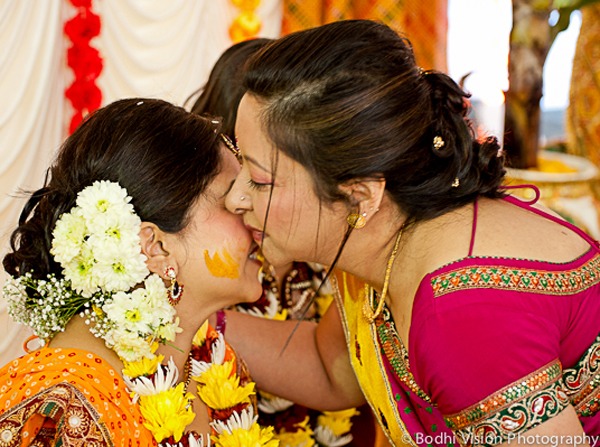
(224,262)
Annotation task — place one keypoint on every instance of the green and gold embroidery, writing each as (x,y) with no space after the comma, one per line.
(583,380)
(396,353)
(515,409)
(518,279)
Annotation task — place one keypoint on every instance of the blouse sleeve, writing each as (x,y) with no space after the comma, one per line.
(489,359)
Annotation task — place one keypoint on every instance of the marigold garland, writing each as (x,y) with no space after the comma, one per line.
(247,24)
(295,425)
(83,93)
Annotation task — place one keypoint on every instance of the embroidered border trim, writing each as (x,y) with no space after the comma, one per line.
(525,280)
(76,419)
(516,408)
(394,350)
(582,382)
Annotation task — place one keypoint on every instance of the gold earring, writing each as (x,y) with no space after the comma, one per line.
(357,220)
(176,290)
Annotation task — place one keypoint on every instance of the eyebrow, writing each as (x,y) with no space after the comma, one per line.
(255,163)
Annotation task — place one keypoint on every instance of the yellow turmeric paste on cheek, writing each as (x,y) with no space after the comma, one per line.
(222,266)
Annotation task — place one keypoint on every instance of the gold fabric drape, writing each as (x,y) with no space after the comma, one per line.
(425,24)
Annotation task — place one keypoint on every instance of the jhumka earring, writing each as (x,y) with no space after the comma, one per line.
(357,220)
(176,289)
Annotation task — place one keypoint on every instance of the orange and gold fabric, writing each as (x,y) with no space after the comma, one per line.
(424,23)
(57,396)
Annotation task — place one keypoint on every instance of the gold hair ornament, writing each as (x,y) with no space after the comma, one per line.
(456,183)
(232,147)
(438,142)
(368,312)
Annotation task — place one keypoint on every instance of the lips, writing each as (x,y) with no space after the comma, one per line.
(257,235)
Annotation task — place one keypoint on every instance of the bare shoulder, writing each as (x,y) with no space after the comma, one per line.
(504,229)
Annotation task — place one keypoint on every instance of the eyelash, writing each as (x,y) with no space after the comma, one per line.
(258,186)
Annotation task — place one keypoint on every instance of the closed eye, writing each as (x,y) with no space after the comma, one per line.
(258,186)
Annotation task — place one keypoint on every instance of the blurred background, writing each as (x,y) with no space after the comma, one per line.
(61,59)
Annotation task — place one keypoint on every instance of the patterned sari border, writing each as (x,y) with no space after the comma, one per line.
(522,405)
(519,279)
(518,390)
(582,381)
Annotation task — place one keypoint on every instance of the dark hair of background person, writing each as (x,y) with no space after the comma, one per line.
(224,89)
(347,100)
(164,157)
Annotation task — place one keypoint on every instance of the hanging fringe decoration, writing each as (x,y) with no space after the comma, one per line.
(247,24)
(84,60)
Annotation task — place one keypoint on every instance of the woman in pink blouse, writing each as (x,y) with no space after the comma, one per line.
(479,320)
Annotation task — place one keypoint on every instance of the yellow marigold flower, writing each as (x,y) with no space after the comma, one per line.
(281,316)
(338,421)
(303,436)
(255,437)
(219,390)
(145,367)
(165,414)
(201,334)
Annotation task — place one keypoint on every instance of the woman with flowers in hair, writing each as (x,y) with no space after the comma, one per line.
(116,263)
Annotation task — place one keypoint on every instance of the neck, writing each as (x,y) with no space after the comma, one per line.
(77,335)
(368,249)
(181,347)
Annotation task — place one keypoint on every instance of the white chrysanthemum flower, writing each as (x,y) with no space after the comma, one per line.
(274,404)
(324,436)
(218,350)
(160,382)
(68,236)
(102,198)
(198,367)
(80,272)
(130,311)
(128,345)
(120,273)
(243,420)
(269,312)
(193,442)
(168,331)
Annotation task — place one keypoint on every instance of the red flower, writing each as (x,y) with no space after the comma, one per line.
(82,3)
(84,95)
(85,61)
(83,27)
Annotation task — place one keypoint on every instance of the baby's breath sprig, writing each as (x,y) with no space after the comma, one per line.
(45,305)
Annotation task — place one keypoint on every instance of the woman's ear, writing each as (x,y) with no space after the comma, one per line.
(365,195)
(152,241)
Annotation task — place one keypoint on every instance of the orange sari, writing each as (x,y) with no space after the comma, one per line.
(67,397)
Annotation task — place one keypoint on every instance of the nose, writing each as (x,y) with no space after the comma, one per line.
(237,202)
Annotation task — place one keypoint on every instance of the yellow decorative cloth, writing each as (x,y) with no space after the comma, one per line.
(367,362)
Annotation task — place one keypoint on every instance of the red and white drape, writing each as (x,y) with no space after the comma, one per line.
(151,48)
